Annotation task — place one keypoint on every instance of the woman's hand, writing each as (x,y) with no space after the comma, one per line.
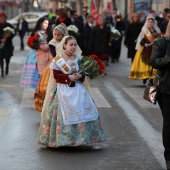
(3,40)
(147,45)
(78,76)
(72,78)
(7,35)
(44,47)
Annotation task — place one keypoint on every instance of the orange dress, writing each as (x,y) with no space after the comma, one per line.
(41,89)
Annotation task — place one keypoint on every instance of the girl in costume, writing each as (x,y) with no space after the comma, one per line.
(37,59)
(141,67)
(68,119)
(58,33)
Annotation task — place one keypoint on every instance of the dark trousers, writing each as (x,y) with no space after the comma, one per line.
(115,50)
(164,103)
(21,35)
(2,66)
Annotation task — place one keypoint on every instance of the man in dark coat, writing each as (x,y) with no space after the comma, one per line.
(88,28)
(22,28)
(163,24)
(6,46)
(79,23)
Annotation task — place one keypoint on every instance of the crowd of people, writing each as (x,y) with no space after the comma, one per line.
(68,119)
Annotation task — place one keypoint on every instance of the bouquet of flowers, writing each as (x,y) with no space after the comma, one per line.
(73,30)
(6,30)
(34,41)
(115,34)
(91,66)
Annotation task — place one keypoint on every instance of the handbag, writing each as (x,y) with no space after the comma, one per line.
(151,89)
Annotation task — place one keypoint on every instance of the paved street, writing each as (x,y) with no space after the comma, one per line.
(132,125)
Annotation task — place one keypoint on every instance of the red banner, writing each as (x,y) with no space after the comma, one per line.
(94,10)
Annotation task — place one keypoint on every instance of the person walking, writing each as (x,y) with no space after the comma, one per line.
(68,119)
(132,34)
(117,43)
(58,33)
(141,67)
(6,45)
(87,31)
(160,60)
(22,28)
(37,59)
(99,41)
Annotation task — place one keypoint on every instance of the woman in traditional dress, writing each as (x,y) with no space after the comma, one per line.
(141,67)
(68,119)
(58,33)
(38,59)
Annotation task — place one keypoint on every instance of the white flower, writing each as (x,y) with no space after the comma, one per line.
(115,34)
(72,28)
(9,30)
(115,31)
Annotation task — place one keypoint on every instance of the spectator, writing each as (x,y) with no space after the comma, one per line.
(22,28)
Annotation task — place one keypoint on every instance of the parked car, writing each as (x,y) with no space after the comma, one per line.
(30,17)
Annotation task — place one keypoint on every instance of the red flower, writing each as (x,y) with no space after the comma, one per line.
(94,56)
(100,63)
(33,41)
(100,71)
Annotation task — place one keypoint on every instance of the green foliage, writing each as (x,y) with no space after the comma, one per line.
(89,67)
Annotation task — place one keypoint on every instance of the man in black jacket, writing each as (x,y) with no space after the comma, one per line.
(22,28)
(88,28)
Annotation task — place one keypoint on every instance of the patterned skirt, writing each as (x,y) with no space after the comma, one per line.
(53,133)
(30,76)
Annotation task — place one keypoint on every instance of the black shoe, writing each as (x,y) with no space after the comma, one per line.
(6,72)
(168,165)
(2,74)
(112,61)
(144,81)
